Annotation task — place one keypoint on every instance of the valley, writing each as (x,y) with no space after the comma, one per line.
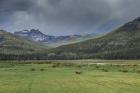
(69,46)
(67,76)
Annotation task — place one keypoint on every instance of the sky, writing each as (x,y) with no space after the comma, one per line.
(67,17)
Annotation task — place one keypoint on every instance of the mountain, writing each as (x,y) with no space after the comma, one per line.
(53,41)
(11,44)
(33,34)
(124,42)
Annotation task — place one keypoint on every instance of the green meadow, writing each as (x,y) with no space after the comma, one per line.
(81,76)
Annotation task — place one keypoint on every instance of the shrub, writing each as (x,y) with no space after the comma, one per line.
(138,71)
(97,67)
(42,69)
(39,63)
(32,69)
(56,65)
(105,70)
(135,65)
(78,72)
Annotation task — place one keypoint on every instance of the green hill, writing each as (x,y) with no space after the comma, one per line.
(121,43)
(11,44)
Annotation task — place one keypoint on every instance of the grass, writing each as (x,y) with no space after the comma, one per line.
(62,77)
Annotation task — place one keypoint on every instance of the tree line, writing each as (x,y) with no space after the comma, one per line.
(131,54)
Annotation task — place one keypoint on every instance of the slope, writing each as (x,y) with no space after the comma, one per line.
(122,40)
(11,44)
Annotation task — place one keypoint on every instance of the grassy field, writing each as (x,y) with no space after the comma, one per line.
(82,76)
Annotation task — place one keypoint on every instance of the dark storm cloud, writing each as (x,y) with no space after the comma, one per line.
(67,16)
(15,5)
(9,7)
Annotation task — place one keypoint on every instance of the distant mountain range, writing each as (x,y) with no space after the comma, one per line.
(53,41)
(122,43)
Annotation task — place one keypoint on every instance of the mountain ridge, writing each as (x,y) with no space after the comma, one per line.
(127,38)
(51,40)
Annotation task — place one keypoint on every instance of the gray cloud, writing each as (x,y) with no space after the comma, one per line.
(67,16)
(15,5)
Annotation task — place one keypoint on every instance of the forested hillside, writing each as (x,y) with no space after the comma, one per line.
(14,45)
(123,43)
